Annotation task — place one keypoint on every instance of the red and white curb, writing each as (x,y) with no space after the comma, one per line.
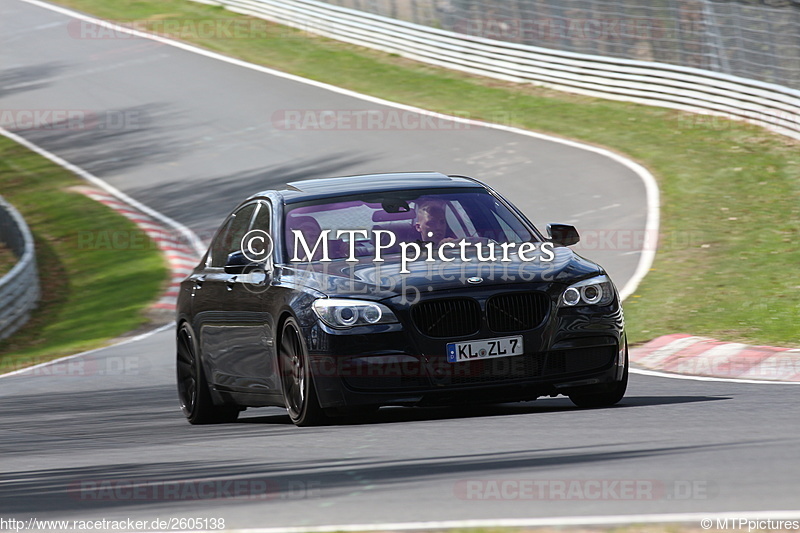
(701,356)
(181,256)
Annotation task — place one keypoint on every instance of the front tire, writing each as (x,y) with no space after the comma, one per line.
(299,393)
(605,399)
(193,393)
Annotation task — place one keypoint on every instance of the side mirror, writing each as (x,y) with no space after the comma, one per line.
(237,263)
(563,234)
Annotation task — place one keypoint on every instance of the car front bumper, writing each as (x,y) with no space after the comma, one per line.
(575,351)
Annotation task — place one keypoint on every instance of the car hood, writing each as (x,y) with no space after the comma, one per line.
(376,281)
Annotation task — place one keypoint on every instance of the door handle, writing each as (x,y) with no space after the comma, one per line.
(198,281)
(230,283)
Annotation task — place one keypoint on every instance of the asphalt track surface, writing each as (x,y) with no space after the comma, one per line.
(74,436)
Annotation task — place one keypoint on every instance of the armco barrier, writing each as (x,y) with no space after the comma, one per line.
(753,39)
(19,289)
(690,89)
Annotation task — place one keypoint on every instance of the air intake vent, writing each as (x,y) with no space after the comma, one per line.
(455,317)
(517,312)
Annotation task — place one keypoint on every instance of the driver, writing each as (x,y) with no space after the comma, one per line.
(431,221)
(432,224)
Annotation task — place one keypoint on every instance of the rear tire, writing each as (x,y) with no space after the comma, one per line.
(605,399)
(193,393)
(299,393)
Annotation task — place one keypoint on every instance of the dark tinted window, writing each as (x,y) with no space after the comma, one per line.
(460,213)
(229,238)
(263,219)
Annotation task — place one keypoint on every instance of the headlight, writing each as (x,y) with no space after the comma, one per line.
(593,291)
(341,313)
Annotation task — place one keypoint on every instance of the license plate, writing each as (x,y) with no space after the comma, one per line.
(484,349)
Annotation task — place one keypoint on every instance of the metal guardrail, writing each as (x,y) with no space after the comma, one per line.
(754,39)
(690,89)
(19,289)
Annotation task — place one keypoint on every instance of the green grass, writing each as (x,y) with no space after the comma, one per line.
(730,230)
(7,259)
(91,292)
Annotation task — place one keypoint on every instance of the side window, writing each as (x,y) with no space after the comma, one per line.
(230,237)
(263,219)
(240,227)
(219,245)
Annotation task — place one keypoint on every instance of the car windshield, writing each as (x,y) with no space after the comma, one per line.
(436,216)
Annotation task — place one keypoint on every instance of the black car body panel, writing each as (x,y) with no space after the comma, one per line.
(237,318)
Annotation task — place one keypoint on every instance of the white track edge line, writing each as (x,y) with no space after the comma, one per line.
(125,198)
(651,186)
(657,374)
(191,237)
(598,520)
(139,337)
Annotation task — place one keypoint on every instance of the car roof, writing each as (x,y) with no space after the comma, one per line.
(300,191)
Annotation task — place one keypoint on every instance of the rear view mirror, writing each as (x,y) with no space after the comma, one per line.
(563,234)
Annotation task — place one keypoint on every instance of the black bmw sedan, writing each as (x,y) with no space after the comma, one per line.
(337,296)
